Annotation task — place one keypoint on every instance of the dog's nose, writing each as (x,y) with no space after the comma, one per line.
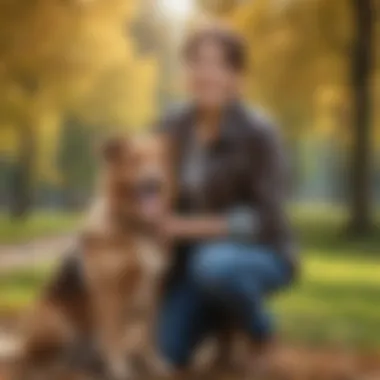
(150,186)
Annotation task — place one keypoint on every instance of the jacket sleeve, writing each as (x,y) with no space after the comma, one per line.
(269,187)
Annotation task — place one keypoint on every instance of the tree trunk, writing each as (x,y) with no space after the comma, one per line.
(22,180)
(361,221)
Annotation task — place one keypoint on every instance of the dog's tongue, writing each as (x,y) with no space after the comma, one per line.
(150,206)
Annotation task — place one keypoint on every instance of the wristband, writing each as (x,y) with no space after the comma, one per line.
(243,223)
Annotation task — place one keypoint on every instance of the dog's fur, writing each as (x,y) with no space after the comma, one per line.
(121,261)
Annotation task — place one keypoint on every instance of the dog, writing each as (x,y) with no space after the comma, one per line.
(106,293)
(123,260)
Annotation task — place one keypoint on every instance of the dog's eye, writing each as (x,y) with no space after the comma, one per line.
(124,189)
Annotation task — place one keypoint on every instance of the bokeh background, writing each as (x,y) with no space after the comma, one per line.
(73,71)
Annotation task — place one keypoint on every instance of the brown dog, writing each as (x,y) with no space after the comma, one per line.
(108,293)
(123,261)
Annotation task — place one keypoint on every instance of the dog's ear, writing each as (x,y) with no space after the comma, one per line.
(113,150)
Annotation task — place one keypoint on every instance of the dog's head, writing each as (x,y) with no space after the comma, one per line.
(137,174)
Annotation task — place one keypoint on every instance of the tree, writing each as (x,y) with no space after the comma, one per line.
(76,162)
(307,50)
(361,165)
(53,54)
(21,183)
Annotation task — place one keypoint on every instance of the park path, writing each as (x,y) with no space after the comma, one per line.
(34,253)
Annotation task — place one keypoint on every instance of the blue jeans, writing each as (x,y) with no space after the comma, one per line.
(222,277)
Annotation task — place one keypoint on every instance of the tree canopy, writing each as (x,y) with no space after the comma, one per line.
(108,64)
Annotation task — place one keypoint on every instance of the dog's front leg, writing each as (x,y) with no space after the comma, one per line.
(110,332)
(149,354)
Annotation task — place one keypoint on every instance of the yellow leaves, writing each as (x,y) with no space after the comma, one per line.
(62,47)
(329,97)
(108,91)
(8,140)
(143,105)
(331,110)
(46,131)
(296,47)
(124,97)
(219,7)
(47,134)
(61,57)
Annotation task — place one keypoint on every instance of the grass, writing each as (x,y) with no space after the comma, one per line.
(337,299)
(18,289)
(39,224)
(335,302)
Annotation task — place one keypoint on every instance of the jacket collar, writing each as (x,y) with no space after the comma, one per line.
(230,124)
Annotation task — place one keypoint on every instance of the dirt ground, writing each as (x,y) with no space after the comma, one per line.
(288,364)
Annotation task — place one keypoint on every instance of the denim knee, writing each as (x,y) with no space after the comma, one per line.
(212,266)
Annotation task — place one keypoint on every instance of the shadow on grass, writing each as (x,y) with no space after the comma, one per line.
(320,313)
(326,233)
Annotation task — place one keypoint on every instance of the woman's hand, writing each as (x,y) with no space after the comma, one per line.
(195,227)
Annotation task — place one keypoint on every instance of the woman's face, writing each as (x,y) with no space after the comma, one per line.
(210,81)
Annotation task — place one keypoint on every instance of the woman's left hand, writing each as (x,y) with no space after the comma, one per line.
(176,227)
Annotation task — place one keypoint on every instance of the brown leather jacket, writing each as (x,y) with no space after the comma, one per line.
(246,166)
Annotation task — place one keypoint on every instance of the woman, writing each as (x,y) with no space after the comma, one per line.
(233,245)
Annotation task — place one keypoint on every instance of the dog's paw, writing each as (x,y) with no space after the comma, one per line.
(121,370)
(155,366)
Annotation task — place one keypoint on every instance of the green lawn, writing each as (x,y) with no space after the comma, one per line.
(19,289)
(335,302)
(39,224)
(337,299)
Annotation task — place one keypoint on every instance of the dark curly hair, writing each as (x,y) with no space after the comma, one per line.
(232,44)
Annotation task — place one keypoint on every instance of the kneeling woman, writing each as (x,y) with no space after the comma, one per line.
(233,244)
